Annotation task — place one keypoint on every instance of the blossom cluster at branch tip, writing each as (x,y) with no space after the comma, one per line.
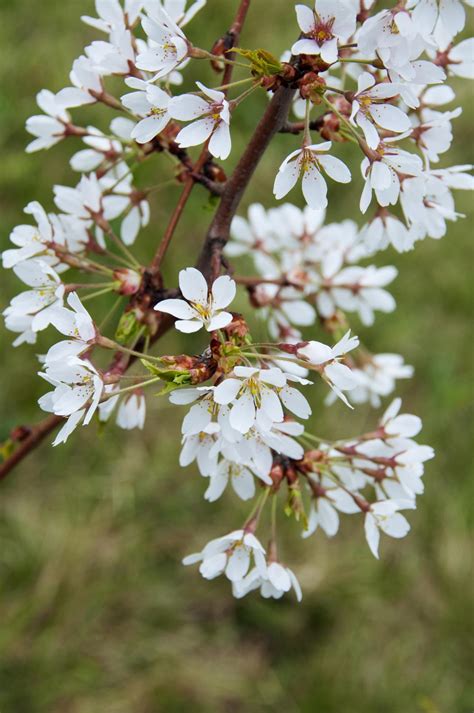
(360,82)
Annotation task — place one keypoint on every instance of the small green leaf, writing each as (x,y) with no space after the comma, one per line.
(127,328)
(262,63)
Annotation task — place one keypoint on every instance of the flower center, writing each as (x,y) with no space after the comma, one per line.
(322,31)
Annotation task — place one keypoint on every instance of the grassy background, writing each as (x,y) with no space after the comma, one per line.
(97,612)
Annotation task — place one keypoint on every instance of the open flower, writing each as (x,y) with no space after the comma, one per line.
(382,175)
(307,163)
(131,410)
(30,240)
(369,108)
(200,307)
(215,124)
(168,45)
(237,474)
(231,555)
(327,359)
(148,101)
(78,388)
(274,584)
(75,323)
(330,21)
(48,128)
(45,295)
(384,516)
(87,84)
(175,9)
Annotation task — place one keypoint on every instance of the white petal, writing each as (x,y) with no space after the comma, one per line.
(193,286)
(178,308)
(335,168)
(223,292)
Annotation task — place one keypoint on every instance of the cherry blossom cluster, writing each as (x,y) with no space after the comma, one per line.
(377,80)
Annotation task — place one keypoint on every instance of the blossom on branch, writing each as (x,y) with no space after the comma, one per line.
(200,307)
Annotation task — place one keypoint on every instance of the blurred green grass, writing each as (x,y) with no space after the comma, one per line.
(97,612)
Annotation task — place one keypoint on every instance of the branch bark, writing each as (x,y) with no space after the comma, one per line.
(275,116)
(210,259)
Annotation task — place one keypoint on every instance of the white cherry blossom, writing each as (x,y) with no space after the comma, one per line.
(384,516)
(168,46)
(30,240)
(112,16)
(369,109)
(48,128)
(330,21)
(200,307)
(148,101)
(78,388)
(277,581)
(307,164)
(255,396)
(39,302)
(75,323)
(382,175)
(214,125)
(328,360)
(175,9)
(87,84)
(131,409)
(230,555)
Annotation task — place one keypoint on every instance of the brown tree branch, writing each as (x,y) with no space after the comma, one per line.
(233,37)
(274,118)
(36,434)
(210,259)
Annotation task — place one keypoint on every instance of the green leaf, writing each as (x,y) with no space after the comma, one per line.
(262,63)
(127,328)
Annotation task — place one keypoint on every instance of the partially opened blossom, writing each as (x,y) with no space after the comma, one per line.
(30,240)
(324,509)
(307,164)
(87,84)
(277,581)
(370,109)
(20,324)
(327,360)
(48,128)
(89,199)
(214,125)
(384,516)
(78,388)
(461,59)
(331,21)
(168,45)
(177,10)
(100,148)
(200,307)
(237,474)
(45,295)
(231,554)
(131,409)
(115,56)
(434,133)
(384,230)
(112,16)
(74,322)
(148,101)
(382,175)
